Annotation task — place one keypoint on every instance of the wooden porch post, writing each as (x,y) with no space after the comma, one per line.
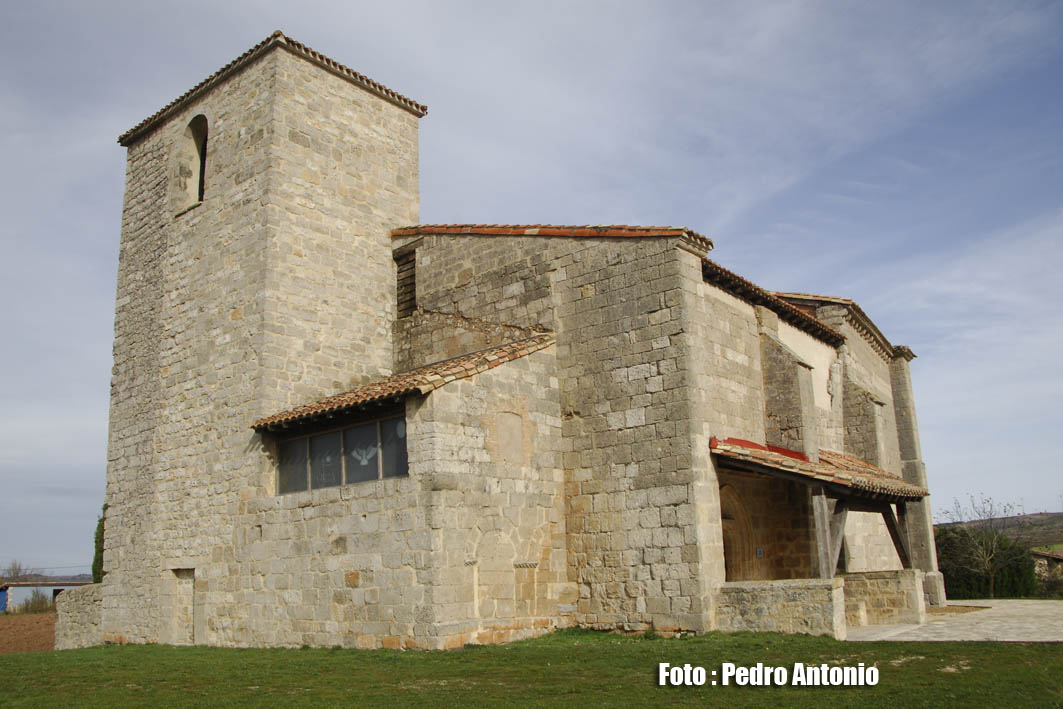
(821,517)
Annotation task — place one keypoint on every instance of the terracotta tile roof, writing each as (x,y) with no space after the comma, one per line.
(277,39)
(597,230)
(750,292)
(835,469)
(421,380)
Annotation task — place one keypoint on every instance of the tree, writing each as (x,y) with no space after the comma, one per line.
(15,571)
(97,558)
(983,551)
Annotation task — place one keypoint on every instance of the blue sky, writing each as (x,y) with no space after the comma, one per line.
(906,155)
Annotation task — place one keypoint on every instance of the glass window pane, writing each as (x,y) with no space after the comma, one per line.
(292,464)
(393,447)
(360,444)
(325,462)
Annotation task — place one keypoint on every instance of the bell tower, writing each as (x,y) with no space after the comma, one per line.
(255,273)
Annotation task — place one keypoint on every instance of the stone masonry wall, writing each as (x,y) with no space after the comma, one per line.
(633,515)
(868,370)
(275,289)
(826,382)
(425,337)
(790,412)
(468,548)
(812,606)
(622,356)
(78,617)
(726,399)
(337,566)
(781,521)
(497,504)
(920,518)
(185,335)
(886,597)
(729,384)
(343,174)
(136,385)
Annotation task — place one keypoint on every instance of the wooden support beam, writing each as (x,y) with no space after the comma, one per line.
(821,517)
(902,523)
(837,532)
(900,540)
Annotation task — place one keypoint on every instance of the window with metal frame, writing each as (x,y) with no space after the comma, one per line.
(369,450)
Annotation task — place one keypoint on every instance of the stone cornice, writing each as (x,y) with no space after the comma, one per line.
(854,315)
(739,287)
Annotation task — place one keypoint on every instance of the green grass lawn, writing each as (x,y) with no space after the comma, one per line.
(570,667)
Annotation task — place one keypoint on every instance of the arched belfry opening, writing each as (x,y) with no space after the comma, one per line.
(190,170)
(738,548)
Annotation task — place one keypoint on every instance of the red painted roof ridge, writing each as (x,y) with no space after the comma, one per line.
(798,455)
(277,39)
(421,379)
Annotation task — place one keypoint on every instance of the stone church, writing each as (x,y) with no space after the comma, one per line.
(332,425)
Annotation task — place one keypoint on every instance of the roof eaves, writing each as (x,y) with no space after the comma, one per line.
(751,293)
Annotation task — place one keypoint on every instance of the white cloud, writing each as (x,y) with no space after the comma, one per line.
(986,325)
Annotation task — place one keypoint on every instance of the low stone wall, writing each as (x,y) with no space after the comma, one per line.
(78,617)
(888,597)
(812,606)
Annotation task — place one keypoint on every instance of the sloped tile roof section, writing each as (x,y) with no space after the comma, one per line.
(421,381)
(276,40)
(601,231)
(739,287)
(842,472)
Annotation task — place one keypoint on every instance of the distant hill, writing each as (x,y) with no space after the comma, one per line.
(1035,530)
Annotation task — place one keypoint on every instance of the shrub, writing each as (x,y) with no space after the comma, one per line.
(97,557)
(38,602)
(983,563)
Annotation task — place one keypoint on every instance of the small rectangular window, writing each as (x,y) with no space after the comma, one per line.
(366,451)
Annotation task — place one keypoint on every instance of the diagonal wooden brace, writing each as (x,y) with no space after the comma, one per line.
(898,534)
(837,531)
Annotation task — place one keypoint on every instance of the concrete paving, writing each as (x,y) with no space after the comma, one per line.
(998,620)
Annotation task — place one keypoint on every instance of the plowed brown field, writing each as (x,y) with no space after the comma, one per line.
(29,632)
